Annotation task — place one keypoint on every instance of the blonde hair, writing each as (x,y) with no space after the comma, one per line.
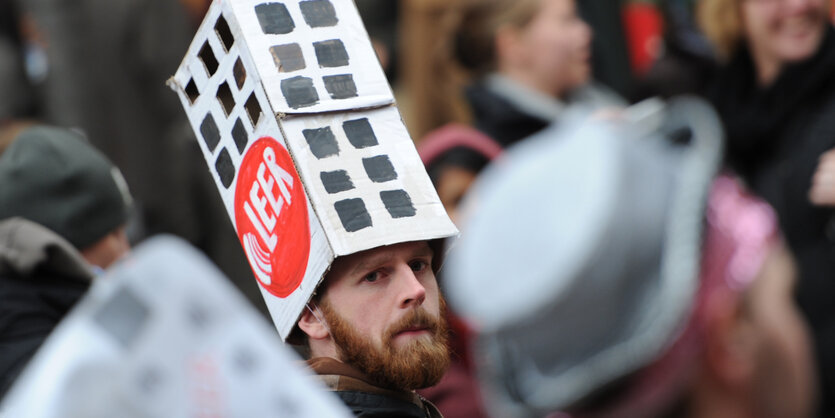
(478,23)
(721,22)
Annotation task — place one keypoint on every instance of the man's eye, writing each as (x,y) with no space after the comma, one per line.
(418,265)
(372,277)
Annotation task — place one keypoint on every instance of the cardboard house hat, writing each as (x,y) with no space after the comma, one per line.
(580,264)
(300,131)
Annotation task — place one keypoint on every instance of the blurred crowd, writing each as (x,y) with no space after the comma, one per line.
(645,189)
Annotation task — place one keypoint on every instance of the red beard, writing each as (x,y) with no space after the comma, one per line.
(419,364)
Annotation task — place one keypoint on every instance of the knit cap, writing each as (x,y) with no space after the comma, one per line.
(54,177)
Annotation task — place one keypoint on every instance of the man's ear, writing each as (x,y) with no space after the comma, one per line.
(313,325)
(731,343)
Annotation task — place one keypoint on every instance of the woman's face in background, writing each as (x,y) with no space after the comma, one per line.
(553,51)
(779,32)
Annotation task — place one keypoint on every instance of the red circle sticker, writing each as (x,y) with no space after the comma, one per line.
(271,217)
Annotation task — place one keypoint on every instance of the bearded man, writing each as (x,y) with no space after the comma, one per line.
(375,330)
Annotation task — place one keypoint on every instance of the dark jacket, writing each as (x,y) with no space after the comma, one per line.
(507,112)
(775,136)
(366,400)
(41,277)
(499,119)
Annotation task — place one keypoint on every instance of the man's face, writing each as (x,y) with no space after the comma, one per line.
(384,312)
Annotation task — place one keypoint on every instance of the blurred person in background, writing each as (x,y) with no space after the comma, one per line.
(530,59)
(100,66)
(453,155)
(607,274)
(18,97)
(776,95)
(380,18)
(63,211)
(531,62)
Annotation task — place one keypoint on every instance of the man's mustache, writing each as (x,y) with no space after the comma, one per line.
(416,319)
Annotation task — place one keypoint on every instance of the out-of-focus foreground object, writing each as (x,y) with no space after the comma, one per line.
(164,334)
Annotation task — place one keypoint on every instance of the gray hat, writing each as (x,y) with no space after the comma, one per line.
(579,263)
(53,177)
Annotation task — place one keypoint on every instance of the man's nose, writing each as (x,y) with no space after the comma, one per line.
(412,290)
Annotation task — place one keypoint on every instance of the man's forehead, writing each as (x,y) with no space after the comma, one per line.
(378,255)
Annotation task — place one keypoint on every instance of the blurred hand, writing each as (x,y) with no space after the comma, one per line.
(822,192)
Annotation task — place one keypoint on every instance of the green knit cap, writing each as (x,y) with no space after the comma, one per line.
(53,177)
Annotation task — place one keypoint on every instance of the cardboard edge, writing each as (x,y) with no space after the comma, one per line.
(306,189)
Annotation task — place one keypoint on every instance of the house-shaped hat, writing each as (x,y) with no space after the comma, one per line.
(302,136)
